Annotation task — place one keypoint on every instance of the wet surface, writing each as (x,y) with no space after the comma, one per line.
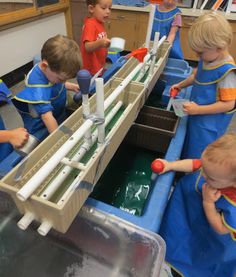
(126,182)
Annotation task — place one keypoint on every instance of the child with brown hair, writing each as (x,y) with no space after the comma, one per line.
(199,224)
(43,100)
(94,42)
(212,101)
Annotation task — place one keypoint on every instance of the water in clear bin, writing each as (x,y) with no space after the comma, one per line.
(27,254)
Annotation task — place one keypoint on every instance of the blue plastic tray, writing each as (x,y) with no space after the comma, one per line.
(177,67)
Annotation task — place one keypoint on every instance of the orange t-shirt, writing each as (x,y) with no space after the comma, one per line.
(92,31)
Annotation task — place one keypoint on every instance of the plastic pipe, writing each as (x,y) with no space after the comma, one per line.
(154,52)
(100,110)
(150,24)
(25,221)
(195,4)
(44,228)
(73,164)
(64,173)
(229,6)
(86,113)
(153,59)
(143,72)
(125,82)
(158,62)
(33,183)
(77,180)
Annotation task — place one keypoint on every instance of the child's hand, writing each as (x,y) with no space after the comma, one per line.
(105,42)
(210,195)
(18,137)
(191,108)
(72,86)
(176,86)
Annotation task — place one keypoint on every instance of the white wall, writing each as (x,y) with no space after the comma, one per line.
(20,44)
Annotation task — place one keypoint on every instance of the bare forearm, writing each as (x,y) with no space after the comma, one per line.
(181,165)
(218,107)
(214,218)
(172,34)
(5,136)
(93,45)
(49,121)
(187,82)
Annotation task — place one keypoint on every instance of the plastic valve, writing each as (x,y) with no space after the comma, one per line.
(174,92)
(84,78)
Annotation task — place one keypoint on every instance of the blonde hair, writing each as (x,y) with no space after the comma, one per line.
(63,55)
(223,152)
(210,30)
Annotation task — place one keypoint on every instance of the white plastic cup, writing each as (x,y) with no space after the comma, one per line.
(178,106)
(117,44)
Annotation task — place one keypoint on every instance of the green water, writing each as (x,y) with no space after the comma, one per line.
(154,99)
(126,182)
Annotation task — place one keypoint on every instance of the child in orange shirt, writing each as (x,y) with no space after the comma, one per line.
(94,41)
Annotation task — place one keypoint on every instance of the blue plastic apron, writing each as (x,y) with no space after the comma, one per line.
(5,94)
(193,248)
(162,24)
(204,129)
(39,90)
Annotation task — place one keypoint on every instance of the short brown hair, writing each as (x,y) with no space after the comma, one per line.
(210,30)
(92,2)
(223,152)
(63,55)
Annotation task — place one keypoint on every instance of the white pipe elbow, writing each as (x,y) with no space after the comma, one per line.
(44,228)
(25,221)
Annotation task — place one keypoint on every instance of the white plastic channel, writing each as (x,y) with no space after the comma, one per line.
(64,173)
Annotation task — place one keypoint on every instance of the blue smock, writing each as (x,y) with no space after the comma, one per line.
(162,23)
(204,129)
(5,148)
(39,97)
(193,248)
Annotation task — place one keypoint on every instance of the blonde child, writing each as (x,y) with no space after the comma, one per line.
(212,101)
(167,22)
(94,41)
(43,100)
(199,224)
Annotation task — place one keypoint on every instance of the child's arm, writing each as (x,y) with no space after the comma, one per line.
(210,196)
(49,121)
(172,34)
(91,46)
(17,137)
(186,82)
(72,86)
(187,165)
(218,107)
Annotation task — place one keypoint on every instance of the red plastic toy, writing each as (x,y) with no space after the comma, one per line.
(157,166)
